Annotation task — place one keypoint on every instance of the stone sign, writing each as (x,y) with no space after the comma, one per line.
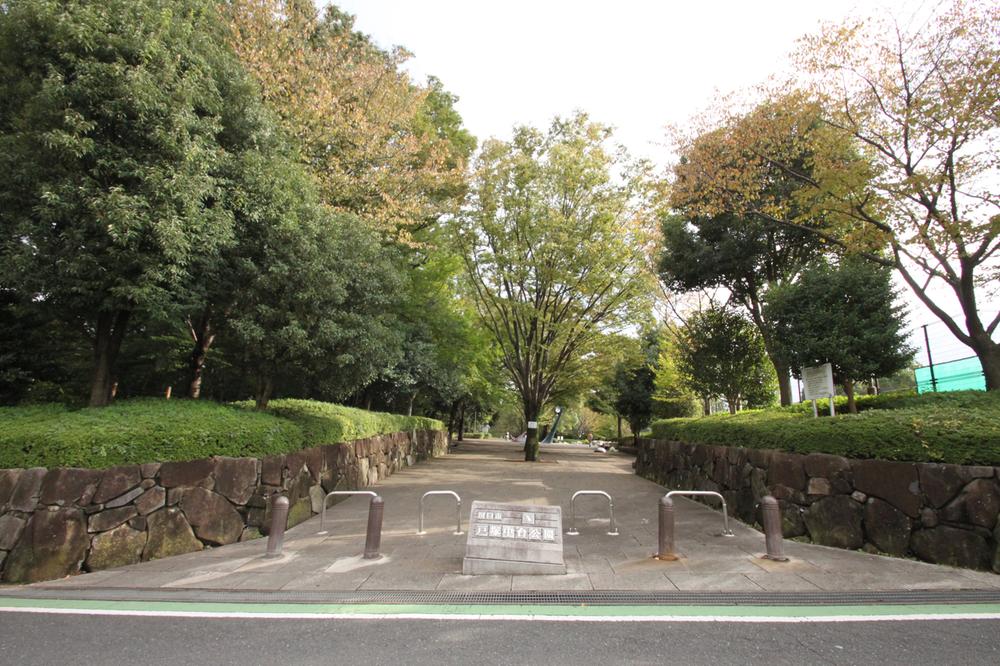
(514,539)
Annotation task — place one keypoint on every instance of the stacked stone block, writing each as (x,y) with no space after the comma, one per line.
(62,521)
(944,514)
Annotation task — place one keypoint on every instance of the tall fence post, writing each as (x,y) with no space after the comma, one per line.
(666,533)
(373,537)
(279,519)
(772,529)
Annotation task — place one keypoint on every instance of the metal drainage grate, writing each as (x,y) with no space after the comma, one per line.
(597,598)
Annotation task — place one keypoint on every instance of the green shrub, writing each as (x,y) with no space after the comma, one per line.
(676,408)
(156,430)
(905,399)
(961,428)
(327,423)
(138,431)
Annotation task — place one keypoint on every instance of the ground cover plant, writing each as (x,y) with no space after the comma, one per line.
(155,430)
(961,428)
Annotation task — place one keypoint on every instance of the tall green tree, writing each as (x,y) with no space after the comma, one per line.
(746,255)
(635,385)
(742,248)
(109,118)
(555,237)
(722,354)
(845,314)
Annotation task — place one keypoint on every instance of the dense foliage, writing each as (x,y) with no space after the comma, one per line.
(844,314)
(554,239)
(959,428)
(722,355)
(223,200)
(147,430)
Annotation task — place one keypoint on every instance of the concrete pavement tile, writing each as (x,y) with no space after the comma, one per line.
(983,579)
(588,564)
(396,579)
(649,564)
(546,582)
(883,581)
(485,583)
(143,579)
(727,582)
(631,581)
(94,579)
(269,581)
(782,582)
(208,580)
(329,582)
(720,565)
(793,565)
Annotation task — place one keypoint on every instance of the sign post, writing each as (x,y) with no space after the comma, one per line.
(818,383)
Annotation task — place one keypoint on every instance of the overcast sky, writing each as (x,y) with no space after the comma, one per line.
(636,65)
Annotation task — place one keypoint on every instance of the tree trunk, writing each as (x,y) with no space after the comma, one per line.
(107,343)
(531,436)
(461,421)
(265,386)
(635,433)
(852,407)
(989,356)
(409,410)
(706,406)
(451,420)
(203,336)
(784,384)
(733,403)
(619,427)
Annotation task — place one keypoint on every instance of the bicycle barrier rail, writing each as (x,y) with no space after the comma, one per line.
(279,520)
(458,510)
(772,529)
(572,531)
(666,520)
(326,500)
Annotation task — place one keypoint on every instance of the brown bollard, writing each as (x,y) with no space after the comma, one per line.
(279,520)
(772,529)
(373,539)
(666,537)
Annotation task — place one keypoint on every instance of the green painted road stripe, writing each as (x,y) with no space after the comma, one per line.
(485,611)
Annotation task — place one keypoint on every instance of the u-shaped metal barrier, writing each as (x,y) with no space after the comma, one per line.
(322,518)
(458,500)
(572,531)
(666,520)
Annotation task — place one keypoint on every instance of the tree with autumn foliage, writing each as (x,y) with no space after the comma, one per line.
(918,108)
(381,147)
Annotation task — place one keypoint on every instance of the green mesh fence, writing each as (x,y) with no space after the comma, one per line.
(960,375)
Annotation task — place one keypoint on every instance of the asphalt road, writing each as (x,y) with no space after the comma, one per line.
(98,640)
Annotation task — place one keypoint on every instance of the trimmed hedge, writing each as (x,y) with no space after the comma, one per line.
(156,430)
(953,428)
(328,423)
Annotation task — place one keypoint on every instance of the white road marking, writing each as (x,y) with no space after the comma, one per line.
(762,619)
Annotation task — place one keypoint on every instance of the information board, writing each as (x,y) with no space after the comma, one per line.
(514,539)
(817,382)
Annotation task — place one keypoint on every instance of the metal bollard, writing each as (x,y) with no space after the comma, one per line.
(772,529)
(373,538)
(279,520)
(666,536)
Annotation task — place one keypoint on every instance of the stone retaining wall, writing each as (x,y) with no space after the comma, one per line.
(63,521)
(945,514)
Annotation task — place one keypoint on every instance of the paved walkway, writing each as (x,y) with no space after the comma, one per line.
(492,470)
